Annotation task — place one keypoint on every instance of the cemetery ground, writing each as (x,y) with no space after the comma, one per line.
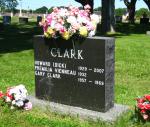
(132,78)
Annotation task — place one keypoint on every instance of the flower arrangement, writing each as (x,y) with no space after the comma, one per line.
(16,97)
(143,108)
(70,21)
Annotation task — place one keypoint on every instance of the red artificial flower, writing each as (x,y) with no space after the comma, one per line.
(143,111)
(147,106)
(140,100)
(9,95)
(147,97)
(141,106)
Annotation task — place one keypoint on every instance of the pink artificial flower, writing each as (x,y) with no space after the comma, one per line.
(55,10)
(83,13)
(87,6)
(28,106)
(49,19)
(45,27)
(90,26)
(145,116)
(74,11)
(76,26)
(58,26)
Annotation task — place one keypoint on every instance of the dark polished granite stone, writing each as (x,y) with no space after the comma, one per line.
(6,19)
(23,20)
(77,73)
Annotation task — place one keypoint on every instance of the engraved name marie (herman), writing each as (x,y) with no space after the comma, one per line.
(68,53)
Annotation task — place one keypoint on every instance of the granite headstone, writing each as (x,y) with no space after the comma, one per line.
(39,19)
(144,20)
(23,20)
(6,20)
(118,19)
(77,73)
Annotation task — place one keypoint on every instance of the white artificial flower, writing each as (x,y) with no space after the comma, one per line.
(53,24)
(91,33)
(8,99)
(82,20)
(19,92)
(13,102)
(63,12)
(71,20)
(19,103)
(17,96)
(95,18)
(12,107)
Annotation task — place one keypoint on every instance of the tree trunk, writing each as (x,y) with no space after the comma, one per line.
(131,11)
(147,3)
(108,19)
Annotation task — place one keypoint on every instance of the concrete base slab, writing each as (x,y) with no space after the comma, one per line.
(109,116)
(148,32)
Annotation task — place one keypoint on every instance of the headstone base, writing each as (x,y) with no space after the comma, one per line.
(148,32)
(109,116)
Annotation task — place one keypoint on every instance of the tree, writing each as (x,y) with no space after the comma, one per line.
(11,4)
(131,9)
(8,4)
(2,5)
(85,2)
(42,10)
(108,19)
(141,11)
(120,11)
(147,3)
(50,10)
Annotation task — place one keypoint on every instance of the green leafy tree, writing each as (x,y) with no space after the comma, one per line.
(141,11)
(11,4)
(2,5)
(50,10)
(120,11)
(42,10)
(8,4)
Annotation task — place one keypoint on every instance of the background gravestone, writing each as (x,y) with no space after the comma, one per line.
(6,20)
(118,19)
(39,19)
(23,20)
(76,73)
(144,20)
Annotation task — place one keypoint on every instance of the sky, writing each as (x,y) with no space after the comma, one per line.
(34,4)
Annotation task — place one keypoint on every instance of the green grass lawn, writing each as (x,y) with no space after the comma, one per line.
(132,78)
